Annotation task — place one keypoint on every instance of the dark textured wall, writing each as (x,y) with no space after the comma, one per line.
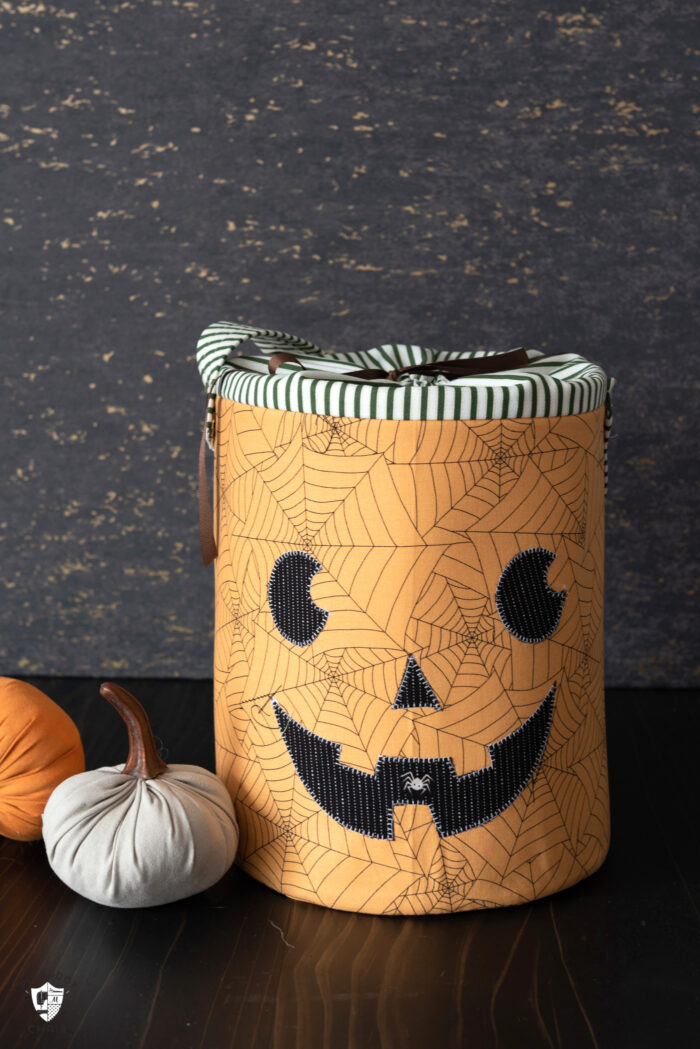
(458,174)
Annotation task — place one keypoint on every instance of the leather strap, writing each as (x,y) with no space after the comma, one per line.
(453,369)
(206,520)
(279,358)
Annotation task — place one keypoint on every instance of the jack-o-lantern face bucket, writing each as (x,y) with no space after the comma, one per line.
(409,655)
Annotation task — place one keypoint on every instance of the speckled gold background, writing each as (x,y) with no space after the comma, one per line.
(456,174)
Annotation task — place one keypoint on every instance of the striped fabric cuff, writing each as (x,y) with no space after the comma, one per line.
(563,384)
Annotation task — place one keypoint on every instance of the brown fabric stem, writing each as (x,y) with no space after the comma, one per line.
(143,760)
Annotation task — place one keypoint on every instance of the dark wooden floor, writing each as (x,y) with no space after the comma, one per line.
(611,962)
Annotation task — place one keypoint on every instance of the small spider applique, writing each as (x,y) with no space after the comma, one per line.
(413,782)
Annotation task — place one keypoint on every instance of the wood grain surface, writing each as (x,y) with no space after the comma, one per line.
(611,962)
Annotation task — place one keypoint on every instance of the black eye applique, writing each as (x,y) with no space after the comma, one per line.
(529,609)
(296,617)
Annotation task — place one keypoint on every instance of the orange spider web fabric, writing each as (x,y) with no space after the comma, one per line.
(413,523)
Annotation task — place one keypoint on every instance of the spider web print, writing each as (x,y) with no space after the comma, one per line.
(413,524)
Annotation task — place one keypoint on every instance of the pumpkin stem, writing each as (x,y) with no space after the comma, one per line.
(143,760)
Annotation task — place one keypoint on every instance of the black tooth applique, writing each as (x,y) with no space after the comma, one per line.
(529,609)
(414,690)
(296,617)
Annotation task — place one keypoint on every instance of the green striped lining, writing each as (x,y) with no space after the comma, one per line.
(563,384)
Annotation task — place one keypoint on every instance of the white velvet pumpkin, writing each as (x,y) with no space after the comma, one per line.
(143,837)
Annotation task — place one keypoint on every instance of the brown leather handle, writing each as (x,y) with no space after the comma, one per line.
(453,369)
(206,519)
(279,358)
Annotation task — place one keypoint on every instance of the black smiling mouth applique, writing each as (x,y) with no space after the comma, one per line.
(364,802)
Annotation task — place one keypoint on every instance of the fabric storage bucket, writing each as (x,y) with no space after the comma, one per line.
(408,664)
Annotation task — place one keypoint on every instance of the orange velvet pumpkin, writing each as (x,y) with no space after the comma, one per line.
(40,746)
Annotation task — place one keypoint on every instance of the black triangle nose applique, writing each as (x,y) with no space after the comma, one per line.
(414,690)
